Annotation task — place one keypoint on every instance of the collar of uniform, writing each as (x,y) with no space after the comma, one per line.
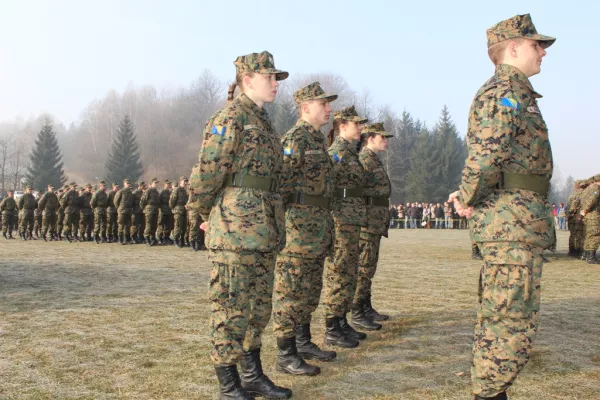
(369,152)
(247,102)
(305,125)
(346,144)
(508,72)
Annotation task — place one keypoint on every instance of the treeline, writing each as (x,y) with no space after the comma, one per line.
(424,163)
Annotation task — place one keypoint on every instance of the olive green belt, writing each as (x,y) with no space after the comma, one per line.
(382,201)
(310,200)
(252,182)
(535,183)
(348,192)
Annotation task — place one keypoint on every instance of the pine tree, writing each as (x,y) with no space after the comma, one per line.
(124,158)
(45,166)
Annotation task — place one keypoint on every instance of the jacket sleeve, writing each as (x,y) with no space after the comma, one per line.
(492,125)
(589,198)
(293,156)
(219,147)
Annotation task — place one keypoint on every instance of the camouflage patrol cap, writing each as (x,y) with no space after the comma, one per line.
(183,178)
(261,63)
(155,180)
(82,189)
(72,184)
(141,183)
(28,187)
(312,92)
(519,26)
(51,186)
(89,185)
(126,181)
(115,184)
(349,114)
(377,129)
(167,182)
(102,183)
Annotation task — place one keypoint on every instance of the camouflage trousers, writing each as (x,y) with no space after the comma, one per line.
(86,222)
(340,271)
(151,225)
(112,225)
(26,222)
(8,221)
(37,221)
(100,222)
(180,225)
(165,225)
(60,220)
(240,290)
(576,234)
(49,220)
(124,221)
(136,223)
(367,265)
(71,223)
(509,305)
(193,226)
(298,284)
(592,235)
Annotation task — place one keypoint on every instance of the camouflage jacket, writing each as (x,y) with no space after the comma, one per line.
(507,133)
(48,203)
(165,195)
(307,169)
(377,184)
(124,201)
(70,202)
(348,174)
(150,201)
(100,200)
(574,204)
(26,202)
(590,204)
(86,203)
(178,200)
(137,196)
(111,208)
(8,206)
(192,204)
(240,140)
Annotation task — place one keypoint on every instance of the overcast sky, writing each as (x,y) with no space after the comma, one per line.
(57,56)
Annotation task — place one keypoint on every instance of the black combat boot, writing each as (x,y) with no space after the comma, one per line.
(371,313)
(307,349)
(129,240)
(121,239)
(350,331)
(44,237)
(499,396)
(475,252)
(289,362)
(591,258)
(160,240)
(230,385)
(194,245)
(544,259)
(68,237)
(361,320)
(104,239)
(572,252)
(97,239)
(334,336)
(584,255)
(179,242)
(23,236)
(256,382)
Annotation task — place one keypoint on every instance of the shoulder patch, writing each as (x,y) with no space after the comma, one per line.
(288,151)
(218,130)
(338,158)
(510,102)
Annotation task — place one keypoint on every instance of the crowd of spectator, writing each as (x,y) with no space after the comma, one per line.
(426,216)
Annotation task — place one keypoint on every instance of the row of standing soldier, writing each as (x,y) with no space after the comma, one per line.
(122,215)
(583,216)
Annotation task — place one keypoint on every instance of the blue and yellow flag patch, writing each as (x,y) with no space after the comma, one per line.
(510,102)
(218,130)
(288,151)
(338,158)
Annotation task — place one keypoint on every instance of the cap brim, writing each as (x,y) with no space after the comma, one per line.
(328,97)
(545,41)
(279,75)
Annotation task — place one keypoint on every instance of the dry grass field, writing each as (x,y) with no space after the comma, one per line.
(87,321)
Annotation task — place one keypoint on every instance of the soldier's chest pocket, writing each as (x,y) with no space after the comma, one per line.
(380,176)
(536,135)
(262,148)
(316,160)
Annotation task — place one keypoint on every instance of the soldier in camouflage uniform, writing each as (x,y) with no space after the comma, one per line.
(86,214)
(575,220)
(137,216)
(177,202)
(70,204)
(377,193)
(504,190)
(48,206)
(165,215)
(26,205)
(99,204)
(193,219)
(590,210)
(61,211)
(37,217)
(194,177)
(306,188)
(150,204)
(124,200)
(240,163)
(8,207)
(112,226)
(349,215)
